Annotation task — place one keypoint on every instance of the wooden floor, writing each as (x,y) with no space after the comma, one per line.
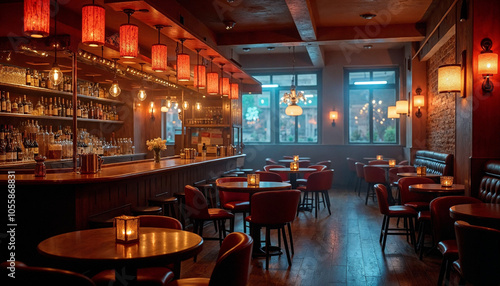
(338,249)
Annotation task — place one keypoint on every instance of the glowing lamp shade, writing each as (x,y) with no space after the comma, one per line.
(487,63)
(185,105)
(449,78)
(55,75)
(164,108)
(200,77)
(418,100)
(159,57)
(37,18)
(183,63)
(141,95)
(391,112)
(225,88)
(234,91)
(293,110)
(129,41)
(93,25)
(402,106)
(333,115)
(212,83)
(115,89)
(126,229)
(197,106)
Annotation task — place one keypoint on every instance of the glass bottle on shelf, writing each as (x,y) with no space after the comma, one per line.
(4,102)
(63,109)
(28,77)
(14,106)
(25,105)
(3,154)
(79,110)
(8,103)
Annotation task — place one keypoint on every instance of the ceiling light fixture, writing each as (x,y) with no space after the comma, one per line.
(200,71)
(234,89)
(293,97)
(212,80)
(367,16)
(129,37)
(141,95)
(270,48)
(224,82)
(55,74)
(93,25)
(229,24)
(246,50)
(115,89)
(367,47)
(37,18)
(159,54)
(183,64)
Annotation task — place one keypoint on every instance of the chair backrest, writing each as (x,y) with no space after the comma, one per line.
(374,175)
(327,163)
(226,197)
(378,162)
(274,207)
(26,275)
(304,163)
(360,172)
(270,161)
(318,168)
(320,181)
(269,176)
(196,203)
(478,253)
(404,162)
(159,221)
(351,164)
(436,163)
(441,222)
(233,264)
(407,196)
(489,188)
(393,172)
(283,176)
(381,192)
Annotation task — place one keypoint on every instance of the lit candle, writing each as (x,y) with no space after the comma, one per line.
(446,181)
(294,166)
(126,229)
(392,163)
(380,157)
(253,179)
(295,158)
(421,171)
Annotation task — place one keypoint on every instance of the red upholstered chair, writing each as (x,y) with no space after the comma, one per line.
(234,202)
(404,162)
(443,230)
(270,161)
(232,266)
(150,275)
(27,275)
(284,176)
(304,163)
(389,212)
(269,176)
(360,173)
(197,209)
(478,252)
(327,163)
(287,157)
(415,200)
(378,162)
(393,176)
(274,210)
(351,165)
(318,168)
(373,175)
(318,182)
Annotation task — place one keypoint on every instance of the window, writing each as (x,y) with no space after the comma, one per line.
(171,125)
(260,125)
(369,93)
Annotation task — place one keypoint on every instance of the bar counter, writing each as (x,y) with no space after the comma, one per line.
(64,202)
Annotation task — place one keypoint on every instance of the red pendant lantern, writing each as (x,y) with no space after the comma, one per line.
(234,91)
(224,86)
(200,80)
(183,64)
(129,41)
(159,54)
(93,25)
(212,83)
(37,18)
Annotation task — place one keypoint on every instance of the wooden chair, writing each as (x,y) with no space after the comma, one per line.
(234,202)
(284,176)
(319,168)
(373,175)
(318,182)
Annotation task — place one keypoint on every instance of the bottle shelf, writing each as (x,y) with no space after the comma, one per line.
(30,116)
(207,125)
(19,88)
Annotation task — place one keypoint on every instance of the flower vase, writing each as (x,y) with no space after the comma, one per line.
(157,156)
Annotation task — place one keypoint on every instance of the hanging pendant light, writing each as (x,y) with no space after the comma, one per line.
(129,38)
(115,89)
(235,92)
(293,98)
(93,25)
(37,18)
(183,63)
(212,80)
(224,86)
(197,106)
(141,95)
(159,54)
(200,77)
(55,74)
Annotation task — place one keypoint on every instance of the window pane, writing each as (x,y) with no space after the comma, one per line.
(358,76)
(264,79)
(283,80)
(308,121)
(359,120)
(171,124)
(287,123)
(256,117)
(384,129)
(307,79)
(389,76)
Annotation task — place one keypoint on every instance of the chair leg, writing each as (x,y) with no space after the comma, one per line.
(412,231)
(231,224)
(367,194)
(279,238)
(385,233)
(326,197)
(448,272)
(286,246)
(244,223)
(221,231)
(442,270)
(290,236)
(421,238)
(316,201)
(382,230)
(268,244)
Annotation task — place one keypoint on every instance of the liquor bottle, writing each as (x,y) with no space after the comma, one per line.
(14,106)
(39,108)
(36,79)
(79,110)
(85,112)
(115,114)
(2,132)
(19,151)
(91,111)
(55,108)
(28,77)
(3,154)
(204,151)
(27,146)
(34,145)
(63,109)
(30,107)
(50,110)
(43,81)
(8,104)
(4,102)
(20,107)
(69,108)
(9,151)
(25,105)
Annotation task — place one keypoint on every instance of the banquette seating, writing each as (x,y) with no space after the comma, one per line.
(435,163)
(489,188)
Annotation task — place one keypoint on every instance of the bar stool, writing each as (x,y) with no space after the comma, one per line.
(146,210)
(181,201)
(166,203)
(207,188)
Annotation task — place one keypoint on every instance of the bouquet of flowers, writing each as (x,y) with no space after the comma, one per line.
(156,144)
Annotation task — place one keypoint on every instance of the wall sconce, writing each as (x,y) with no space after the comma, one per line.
(152,110)
(333,116)
(185,105)
(391,112)
(126,229)
(418,101)
(487,65)
(402,107)
(449,78)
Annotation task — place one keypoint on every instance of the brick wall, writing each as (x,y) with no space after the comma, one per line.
(441,107)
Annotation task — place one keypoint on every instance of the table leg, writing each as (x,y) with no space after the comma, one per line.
(126,275)
(293,180)
(177,270)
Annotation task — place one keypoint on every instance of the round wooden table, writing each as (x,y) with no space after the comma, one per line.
(437,190)
(293,174)
(432,176)
(156,246)
(479,214)
(291,160)
(300,158)
(374,158)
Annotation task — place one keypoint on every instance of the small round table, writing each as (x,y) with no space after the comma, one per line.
(293,174)
(483,214)
(437,190)
(290,160)
(374,158)
(300,158)
(432,176)
(156,246)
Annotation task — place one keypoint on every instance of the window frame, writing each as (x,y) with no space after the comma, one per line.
(349,87)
